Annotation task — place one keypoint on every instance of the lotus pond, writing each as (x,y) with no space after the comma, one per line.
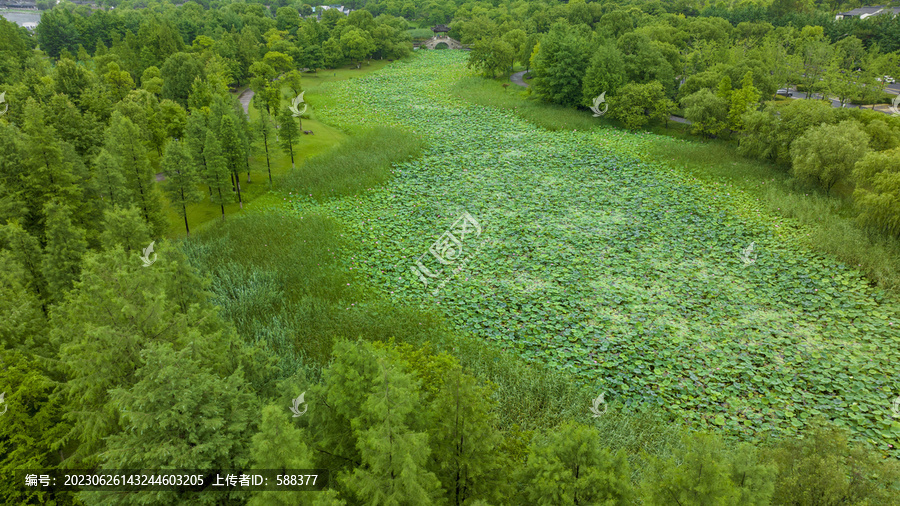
(615,267)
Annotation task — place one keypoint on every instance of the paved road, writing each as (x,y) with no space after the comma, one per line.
(245,99)
(518,78)
(885,108)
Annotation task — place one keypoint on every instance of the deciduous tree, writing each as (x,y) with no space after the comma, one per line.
(743,100)
(877,193)
(827,154)
(288,133)
(124,143)
(605,73)
(182,179)
(702,471)
(266,131)
(707,113)
(216,172)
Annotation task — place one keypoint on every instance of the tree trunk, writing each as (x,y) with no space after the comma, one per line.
(237,179)
(268,165)
(187,229)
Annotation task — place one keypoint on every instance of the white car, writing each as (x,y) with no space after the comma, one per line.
(889,79)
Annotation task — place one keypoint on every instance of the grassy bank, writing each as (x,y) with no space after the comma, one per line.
(491,93)
(256,193)
(831,225)
(361,162)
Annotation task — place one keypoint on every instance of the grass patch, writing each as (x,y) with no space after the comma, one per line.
(490,93)
(257,190)
(361,162)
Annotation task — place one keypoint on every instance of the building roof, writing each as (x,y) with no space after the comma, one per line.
(864,12)
(440,28)
(340,8)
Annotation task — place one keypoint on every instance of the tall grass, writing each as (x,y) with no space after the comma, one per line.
(491,93)
(280,280)
(361,162)
(834,232)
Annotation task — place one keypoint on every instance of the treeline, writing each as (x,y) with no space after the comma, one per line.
(236,33)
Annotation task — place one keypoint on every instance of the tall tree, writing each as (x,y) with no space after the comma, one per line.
(263,85)
(216,173)
(26,250)
(288,132)
(178,74)
(708,113)
(815,52)
(118,81)
(71,79)
(123,141)
(839,82)
(281,445)
(393,456)
(195,141)
(181,180)
(465,441)
(100,350)
(232,150)
(492,56)
(124,228)
(151,80)
(32,424)
(604,74)
(265,129)
(49,173)
(743,100)
(702,471)
(635,105)
(66,245)
(560,63)
(178,413)
(570,466)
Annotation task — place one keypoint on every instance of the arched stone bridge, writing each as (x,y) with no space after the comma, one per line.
(434,41)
